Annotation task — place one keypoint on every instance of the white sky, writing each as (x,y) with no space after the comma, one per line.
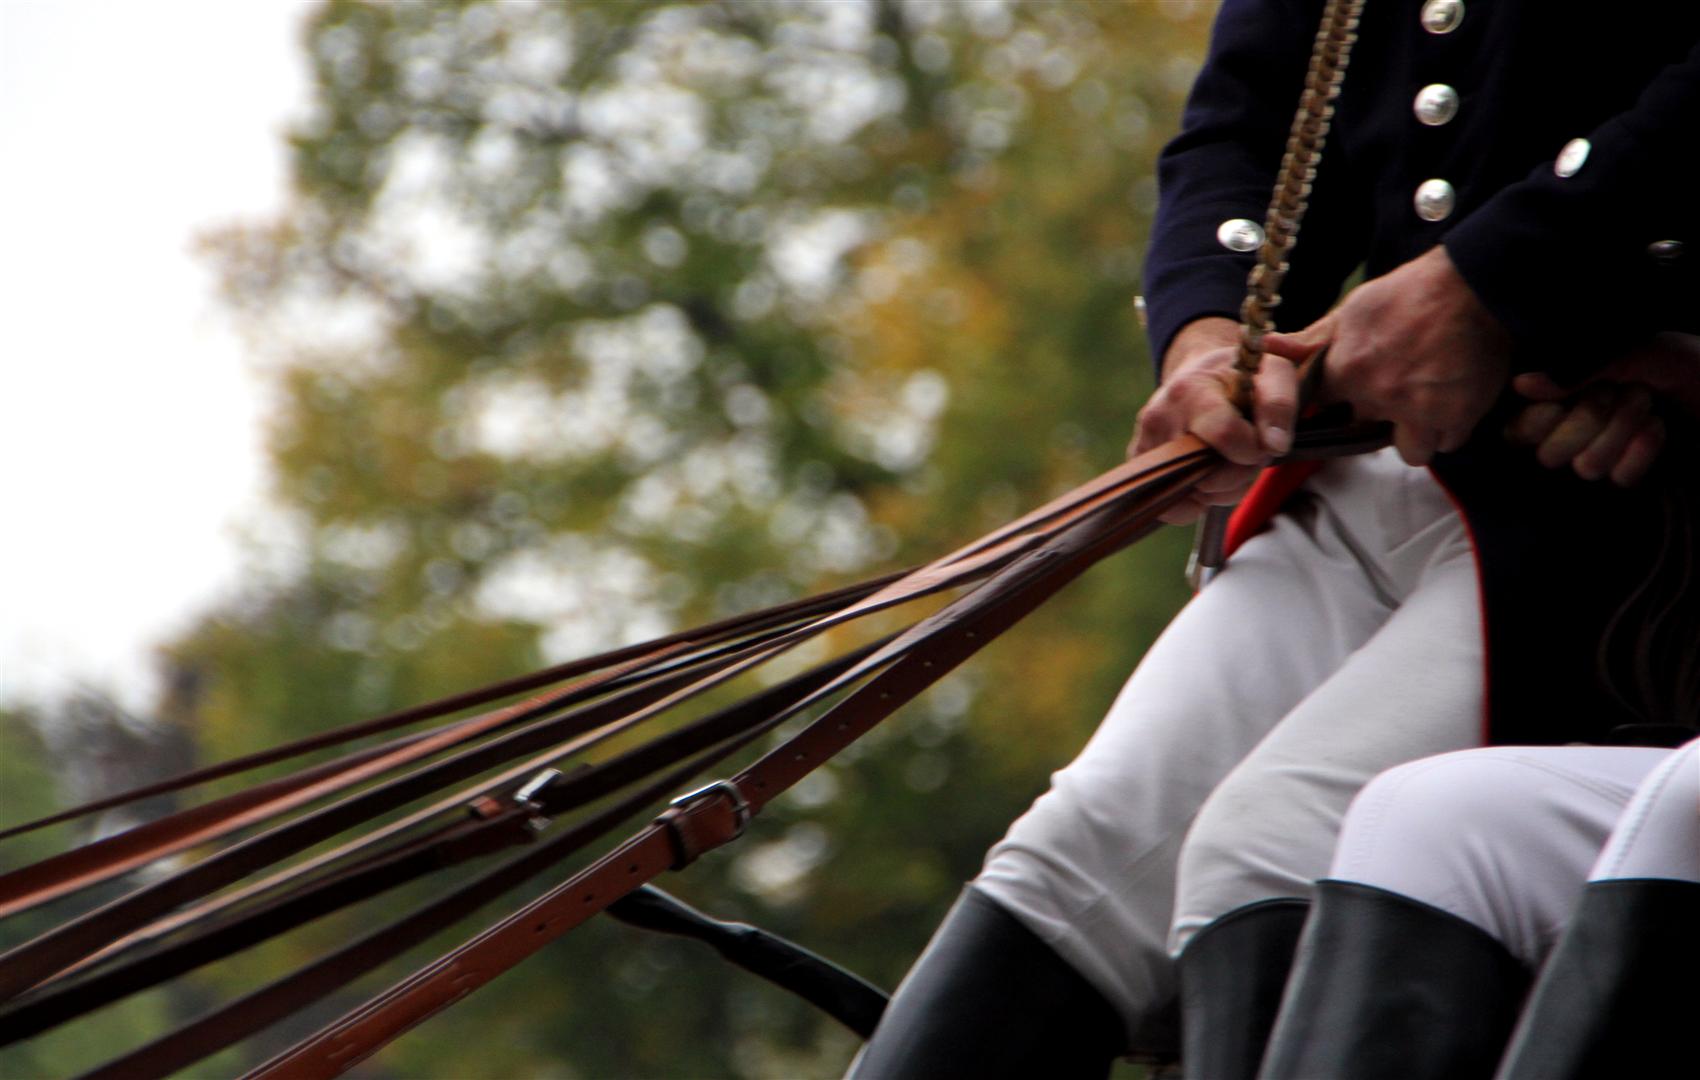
(129,436)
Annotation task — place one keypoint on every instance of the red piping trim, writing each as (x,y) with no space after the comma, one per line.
(1269,492)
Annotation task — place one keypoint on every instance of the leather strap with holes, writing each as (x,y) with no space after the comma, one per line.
(68,944)
(916,660)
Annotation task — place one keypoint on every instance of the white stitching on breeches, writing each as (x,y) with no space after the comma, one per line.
(1344,639)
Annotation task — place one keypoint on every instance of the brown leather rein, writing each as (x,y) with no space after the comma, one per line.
(202,913)
(183,921)
(177,923)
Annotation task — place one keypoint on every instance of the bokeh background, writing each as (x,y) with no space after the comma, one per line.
(580,322)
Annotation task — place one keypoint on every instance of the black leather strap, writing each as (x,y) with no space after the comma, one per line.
(842,995)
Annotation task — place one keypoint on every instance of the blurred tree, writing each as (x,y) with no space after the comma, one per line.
(591,320)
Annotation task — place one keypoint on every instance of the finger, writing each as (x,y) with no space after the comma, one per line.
(1136,444)
(1277,399)
(1153,429)
(1440,409)
(1538,387)
(1298,346)
(1224,428)
(1638,457)
(1452,439)
(1416,445)
(1601,455)
(1581,425)
(1224,486)
(1534,423)
(1231,479)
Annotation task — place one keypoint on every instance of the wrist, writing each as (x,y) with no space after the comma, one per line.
(1197,338)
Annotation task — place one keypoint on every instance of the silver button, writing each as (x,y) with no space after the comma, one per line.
(1665,251)
(1240,234)
(1434,200)
(1570,159)
(1435,104)
(1442,16)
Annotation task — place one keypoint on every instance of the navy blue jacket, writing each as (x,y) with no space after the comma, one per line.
(1577,267)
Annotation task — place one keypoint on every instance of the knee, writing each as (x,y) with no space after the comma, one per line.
(1420,819)
(1263,834)
(1226,841)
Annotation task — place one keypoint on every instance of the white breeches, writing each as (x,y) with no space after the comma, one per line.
(1341,641)
(1505,837)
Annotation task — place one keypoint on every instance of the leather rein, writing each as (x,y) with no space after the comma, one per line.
(173,925)
(211,909)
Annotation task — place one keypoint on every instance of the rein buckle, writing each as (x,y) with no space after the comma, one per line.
(525,797)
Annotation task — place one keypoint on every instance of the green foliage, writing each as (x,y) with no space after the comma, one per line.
(592,320)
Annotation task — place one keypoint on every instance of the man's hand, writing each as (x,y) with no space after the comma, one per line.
(1415,347)
(1608,427)
(1604,429)
(1196,396)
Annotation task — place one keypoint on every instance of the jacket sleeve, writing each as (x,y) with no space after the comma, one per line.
(1580,267)
(1223,166)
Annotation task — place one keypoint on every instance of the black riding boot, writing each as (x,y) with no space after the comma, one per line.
(1387,987)
(1616,997)
(988,999)
(1232,974)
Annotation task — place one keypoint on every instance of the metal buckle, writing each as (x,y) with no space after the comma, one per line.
(740,808)
(525,796)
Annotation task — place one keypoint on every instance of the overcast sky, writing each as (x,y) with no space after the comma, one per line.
(128,422)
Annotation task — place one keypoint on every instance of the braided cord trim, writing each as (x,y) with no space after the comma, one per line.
(1305,140)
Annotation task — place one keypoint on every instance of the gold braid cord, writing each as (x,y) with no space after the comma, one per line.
(1334,39)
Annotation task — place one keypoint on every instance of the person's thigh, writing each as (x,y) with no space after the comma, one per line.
(1501,837)
(1090,867)
(1414,688)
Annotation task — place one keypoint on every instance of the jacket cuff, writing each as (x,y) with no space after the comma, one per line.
(1187,293)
